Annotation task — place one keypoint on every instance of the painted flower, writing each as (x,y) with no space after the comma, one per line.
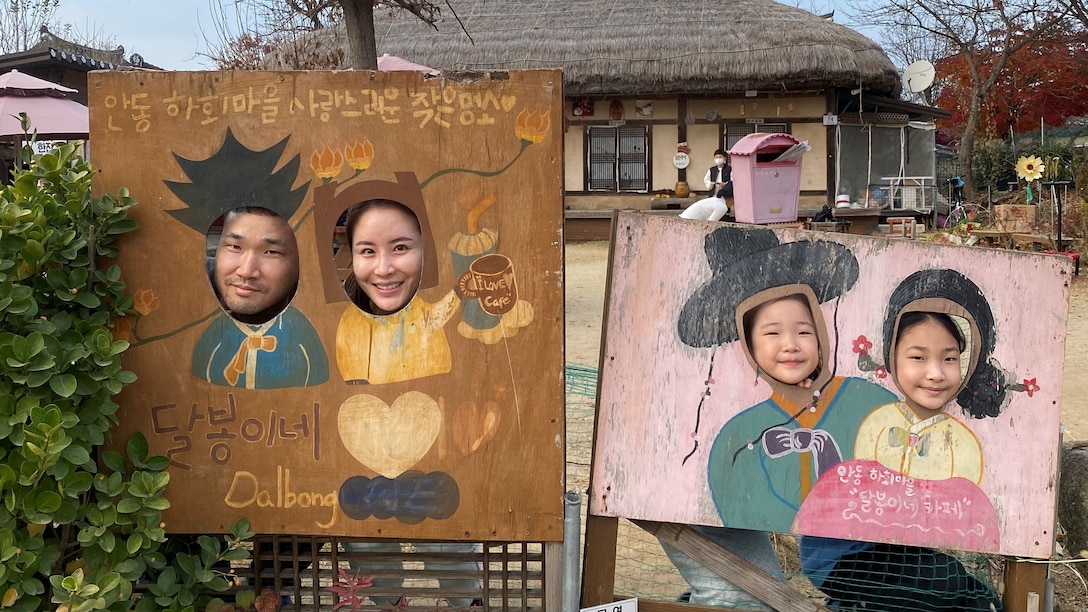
(881,371)
(1030,386)
(122,328)
(360,154)
(1030,168)
(326,164)
(862,346)
(145,302)
(532,127)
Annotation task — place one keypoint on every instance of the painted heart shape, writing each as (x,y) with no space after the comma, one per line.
(508,102)
(473,427)
(389,439)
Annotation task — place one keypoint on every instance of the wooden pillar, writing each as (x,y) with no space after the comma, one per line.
(1025,586)
(681,131)
(599,560)
(831,106)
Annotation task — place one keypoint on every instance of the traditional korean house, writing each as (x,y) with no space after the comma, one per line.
(642,76)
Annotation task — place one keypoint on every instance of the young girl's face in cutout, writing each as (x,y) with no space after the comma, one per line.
(387,257)
(927,366)
(784,341)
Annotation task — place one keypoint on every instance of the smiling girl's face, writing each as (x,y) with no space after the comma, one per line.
(927,363)
(784,340)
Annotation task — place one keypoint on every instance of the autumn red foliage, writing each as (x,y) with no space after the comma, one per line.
(1047,79)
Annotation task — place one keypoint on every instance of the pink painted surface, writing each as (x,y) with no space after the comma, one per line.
(863,500)
(652,383)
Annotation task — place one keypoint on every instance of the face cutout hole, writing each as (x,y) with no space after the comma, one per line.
(783,339)
(252,262)
(931,358)
(380,260)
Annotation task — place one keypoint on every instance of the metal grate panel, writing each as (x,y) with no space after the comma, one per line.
(506,576)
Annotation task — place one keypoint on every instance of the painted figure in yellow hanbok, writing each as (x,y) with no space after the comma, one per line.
(393,335)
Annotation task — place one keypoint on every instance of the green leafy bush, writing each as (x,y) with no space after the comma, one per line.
(80,527)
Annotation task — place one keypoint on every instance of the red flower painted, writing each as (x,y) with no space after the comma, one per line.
(1031,386)
(862,345)
(881,371)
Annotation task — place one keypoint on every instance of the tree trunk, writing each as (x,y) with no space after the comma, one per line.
(359,25)
(967,146)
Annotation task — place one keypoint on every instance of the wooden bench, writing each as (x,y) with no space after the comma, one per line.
(994,238)
(902,227)
(1048,244)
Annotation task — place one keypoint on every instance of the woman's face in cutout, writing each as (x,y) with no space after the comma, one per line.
(387,257)
(927,366)
(784,340)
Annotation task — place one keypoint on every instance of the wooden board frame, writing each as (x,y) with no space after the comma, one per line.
(474,157)
(601,527)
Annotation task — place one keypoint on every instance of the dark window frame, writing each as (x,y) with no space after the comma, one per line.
(617,158)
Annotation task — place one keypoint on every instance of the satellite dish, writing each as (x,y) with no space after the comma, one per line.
(918,76)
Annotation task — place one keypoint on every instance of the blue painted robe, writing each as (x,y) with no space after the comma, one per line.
(284,352)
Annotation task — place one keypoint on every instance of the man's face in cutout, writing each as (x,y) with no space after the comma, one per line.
(256,265)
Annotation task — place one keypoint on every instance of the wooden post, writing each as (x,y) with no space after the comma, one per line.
(599,560)
(1025,586)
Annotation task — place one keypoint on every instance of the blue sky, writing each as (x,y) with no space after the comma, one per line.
(168,32)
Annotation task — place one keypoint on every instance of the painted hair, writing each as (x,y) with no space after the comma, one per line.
(983,394)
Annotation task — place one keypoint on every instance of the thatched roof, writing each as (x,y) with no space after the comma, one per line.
(640,47)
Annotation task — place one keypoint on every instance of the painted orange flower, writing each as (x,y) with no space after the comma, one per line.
(145,302)
(360,154)
(326,164)
(532,127)
(122,328)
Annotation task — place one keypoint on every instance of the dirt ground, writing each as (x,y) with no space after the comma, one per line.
(586,271)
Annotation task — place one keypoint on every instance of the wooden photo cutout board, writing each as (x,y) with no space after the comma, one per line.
(688,431)
(441,421)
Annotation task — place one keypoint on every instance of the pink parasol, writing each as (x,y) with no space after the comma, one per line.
(44,102)
(391,63)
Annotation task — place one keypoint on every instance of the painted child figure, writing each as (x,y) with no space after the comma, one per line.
(786,348)
(758,282)
(766,459)
(917,438)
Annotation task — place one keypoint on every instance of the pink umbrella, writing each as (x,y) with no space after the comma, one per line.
(391,63)
(44,102)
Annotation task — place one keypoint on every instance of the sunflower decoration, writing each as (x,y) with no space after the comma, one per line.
(1030,168)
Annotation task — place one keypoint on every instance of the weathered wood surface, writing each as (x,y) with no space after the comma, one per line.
(733,567)
(652,384)
(481,430)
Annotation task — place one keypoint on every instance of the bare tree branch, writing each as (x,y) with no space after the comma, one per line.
(985,33)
